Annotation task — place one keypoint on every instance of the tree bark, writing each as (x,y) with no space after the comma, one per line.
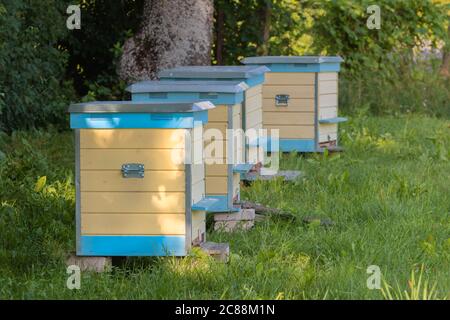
(173,33)
(445,66)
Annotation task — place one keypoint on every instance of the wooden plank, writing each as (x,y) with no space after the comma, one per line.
(328,113)
(291,118)
(331,136)
(236,185)
(326,128)
(198,191)
(218,170)
(112,180)
(210,130)
(198,172)
(132,224)
(328,100)
(289,78)
(254,91)
(218,114)
(237,121)
(112,159)
(133,202)
(303,92)
(253,103)
(198,225)
(294,132)
(132,138)
(328,76)
(295,105)
(328,87)
(328,132)
(215,149)
(254,119)
(216,185)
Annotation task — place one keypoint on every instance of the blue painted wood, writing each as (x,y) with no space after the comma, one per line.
(221,204)
(133,246)
(205,204)
(333,120)
(137,120)
(290,145)
(251,82)
(243,168)
(220,98)
(310,67)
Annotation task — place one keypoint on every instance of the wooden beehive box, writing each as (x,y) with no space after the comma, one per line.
(135,182)
(300,98)
(224,166)
(253,76)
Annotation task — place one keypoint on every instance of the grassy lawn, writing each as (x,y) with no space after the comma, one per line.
(388,195)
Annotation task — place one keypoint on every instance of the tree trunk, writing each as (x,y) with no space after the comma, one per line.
(445,67)
(173,33)
(266,18)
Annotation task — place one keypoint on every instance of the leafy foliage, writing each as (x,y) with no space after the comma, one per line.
(32,88)
(94,50)
(340,29)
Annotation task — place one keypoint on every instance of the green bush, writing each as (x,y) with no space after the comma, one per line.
(37,199)
(32,88)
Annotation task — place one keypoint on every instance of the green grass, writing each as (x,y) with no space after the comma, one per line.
(388,195)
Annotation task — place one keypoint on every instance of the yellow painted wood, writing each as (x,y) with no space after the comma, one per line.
(133,202)
(236,184)
(132,224)
(328,127)
(295,105)
(328,76)
(254,91)
(112,180)
(218,114)
(216,130)
(325,137)
(303,92)
(132,138)
(289,78)
(237,121)
(253,103)
(216,185)
(328,100)
(290,118)
(112,159)
(215,149)
(254,120)
(328,87)
(328,113)
(328,132)
(198,191)
(294,132)
(198,172)
(218,170)
(198,225)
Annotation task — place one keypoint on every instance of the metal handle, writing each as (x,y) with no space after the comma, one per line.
(282,99)
(133,170)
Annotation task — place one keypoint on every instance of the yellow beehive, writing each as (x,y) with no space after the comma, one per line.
(224,157)
(252,116)
(300,99)
(136,186)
